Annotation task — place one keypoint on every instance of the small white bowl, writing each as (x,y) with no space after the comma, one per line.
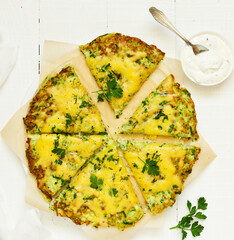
(189,62)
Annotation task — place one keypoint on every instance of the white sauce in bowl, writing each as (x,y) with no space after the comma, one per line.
(210,67)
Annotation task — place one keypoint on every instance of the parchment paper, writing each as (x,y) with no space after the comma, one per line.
(55,56)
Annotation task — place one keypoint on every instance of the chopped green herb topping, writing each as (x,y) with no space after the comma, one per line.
(75,98)
(85,104)
(58,161)
(151,165)
(69,119)
(59,151)
(89,198)
(171,128)
(161,114)
(163,103)
(113,192)
(95,182)
(112,88)
(135,165)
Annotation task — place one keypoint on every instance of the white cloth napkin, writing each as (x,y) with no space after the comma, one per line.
(8,56)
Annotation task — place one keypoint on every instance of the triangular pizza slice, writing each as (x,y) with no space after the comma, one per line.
(120,64)
(160,170)
(62,105)
(168,111)
(101,195)
(55,159)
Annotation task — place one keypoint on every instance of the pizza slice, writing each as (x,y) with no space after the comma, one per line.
(62,105)
(55,159)
(101,195)
(168,111)
(160,170)
(120,64)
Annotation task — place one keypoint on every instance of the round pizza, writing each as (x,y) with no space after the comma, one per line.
(81,170)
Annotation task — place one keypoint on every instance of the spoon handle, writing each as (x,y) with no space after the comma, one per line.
(162,19)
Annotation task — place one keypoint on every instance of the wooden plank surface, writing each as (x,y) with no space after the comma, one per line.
(27,24)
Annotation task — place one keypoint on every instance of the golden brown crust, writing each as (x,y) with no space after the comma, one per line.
(38,172)
(112,41)
(42,101)
(31,157)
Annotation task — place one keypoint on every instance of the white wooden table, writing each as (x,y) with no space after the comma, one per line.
(28,23)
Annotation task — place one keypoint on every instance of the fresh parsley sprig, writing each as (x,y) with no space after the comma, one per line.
(59,151)
(188,222)
(112,90)
(151,165)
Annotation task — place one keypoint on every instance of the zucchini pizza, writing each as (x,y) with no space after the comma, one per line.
(80,170)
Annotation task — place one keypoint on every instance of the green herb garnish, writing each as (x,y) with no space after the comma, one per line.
(112,90)
(58,161)
(75,98)
(95,182)
(163,103)
(69,119)
(113,192)
(171,128)
(161,114)
(85,104)
(59,151)
(151,165)
(89,198)
(187,223)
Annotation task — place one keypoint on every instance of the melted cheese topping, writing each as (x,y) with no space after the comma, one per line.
(70,109)
(58,167)
(159,170)
(110,203)
(169,111)
(129,64)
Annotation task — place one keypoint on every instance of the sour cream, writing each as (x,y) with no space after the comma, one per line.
(210,67)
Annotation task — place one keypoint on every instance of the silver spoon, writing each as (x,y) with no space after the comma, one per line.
(161,18)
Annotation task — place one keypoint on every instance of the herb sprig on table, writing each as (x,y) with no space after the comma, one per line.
(189,222)
(112,90)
